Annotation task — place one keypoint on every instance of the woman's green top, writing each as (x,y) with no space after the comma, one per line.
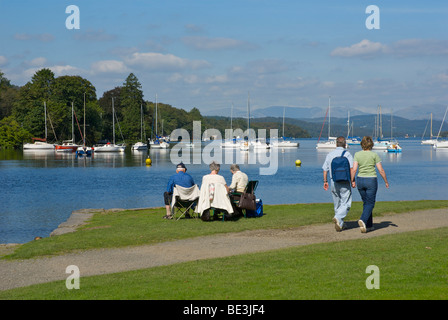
(367,161)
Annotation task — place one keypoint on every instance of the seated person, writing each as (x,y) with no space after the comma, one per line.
(180,178)
(238,185)
(214,192)
(239,179)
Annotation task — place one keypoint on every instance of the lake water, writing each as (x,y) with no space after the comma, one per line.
(39,190)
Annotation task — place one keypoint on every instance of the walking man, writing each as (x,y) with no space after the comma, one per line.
(340,186)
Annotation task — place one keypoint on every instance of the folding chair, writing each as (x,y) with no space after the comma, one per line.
(250,188)
(184,199)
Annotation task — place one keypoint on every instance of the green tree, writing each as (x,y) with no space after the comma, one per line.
(131,102)
(105,104)
(68,90)
(8,94)
(28,109)
(12,135)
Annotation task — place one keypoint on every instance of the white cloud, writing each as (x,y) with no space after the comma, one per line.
(109,66)
(213,44)
(400,48)
(3,61)
(163,62)
(365,48)
(37,62)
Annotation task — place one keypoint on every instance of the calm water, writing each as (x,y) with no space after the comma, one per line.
(39,190)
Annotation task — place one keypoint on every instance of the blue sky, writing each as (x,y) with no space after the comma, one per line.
(210,54)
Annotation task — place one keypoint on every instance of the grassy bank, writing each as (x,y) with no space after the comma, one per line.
(411,266)
(146,226)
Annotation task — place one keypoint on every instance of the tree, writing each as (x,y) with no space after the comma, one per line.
(11,134)
(105,104)
(68,89)
(131,102)
(28,109)
(8,94)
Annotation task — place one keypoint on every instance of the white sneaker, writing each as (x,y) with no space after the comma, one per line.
(337,226)
(362,226)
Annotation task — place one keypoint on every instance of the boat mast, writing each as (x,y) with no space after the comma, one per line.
(156,118)
(113,120)
(141,121)
(248,112)
(283,132)
(45,116)
(84,138)
(73,125)
(329,116)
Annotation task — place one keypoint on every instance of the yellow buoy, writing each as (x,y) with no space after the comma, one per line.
(298,163)
(148,161)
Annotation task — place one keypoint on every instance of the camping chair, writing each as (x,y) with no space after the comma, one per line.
(183,200)
(250,188)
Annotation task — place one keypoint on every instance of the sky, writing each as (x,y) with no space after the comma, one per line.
(213,54)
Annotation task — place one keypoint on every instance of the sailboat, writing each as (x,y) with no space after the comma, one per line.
(431,141)
(441,144)
(232,143)
(380,143)
(331,142)
(284,143)
(158,143)
(39,143)
(84,150)
(111,147)
(68,145)
(140,145)
(350,139)
(394,145)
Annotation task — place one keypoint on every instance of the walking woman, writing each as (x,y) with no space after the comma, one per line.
(365,162)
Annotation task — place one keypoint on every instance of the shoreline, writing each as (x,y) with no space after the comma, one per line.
(76,219)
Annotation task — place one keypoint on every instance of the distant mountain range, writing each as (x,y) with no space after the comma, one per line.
(421,112)
(412,121)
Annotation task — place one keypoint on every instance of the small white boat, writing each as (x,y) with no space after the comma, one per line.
(259,145)
(429,142)
(394,147)
(110,147)
(329,144)
(231,144)
(40,144)
(441,144)
(84,151)
(284,144)
(381,145)
(158,144)
(244,146)
(140,146)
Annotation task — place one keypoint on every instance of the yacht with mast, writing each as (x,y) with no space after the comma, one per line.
(111,147)
(158,142)
(40,143)
(331,142)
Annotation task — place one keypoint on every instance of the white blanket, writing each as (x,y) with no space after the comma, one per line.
(220,198)
(188,194)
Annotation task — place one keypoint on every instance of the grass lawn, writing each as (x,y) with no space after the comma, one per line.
(411,266)
(146,226)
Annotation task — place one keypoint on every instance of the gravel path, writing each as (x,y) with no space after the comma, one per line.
(102,261)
